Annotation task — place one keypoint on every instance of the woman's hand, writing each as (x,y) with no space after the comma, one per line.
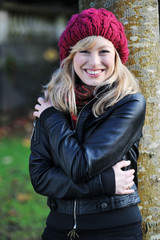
(123,179)
(41,106)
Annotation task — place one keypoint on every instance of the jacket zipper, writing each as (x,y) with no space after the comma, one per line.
(72,234)
(35,130)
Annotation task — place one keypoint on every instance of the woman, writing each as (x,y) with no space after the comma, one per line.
(87,127)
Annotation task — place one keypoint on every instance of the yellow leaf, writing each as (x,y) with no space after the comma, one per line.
(23,197)
(26,142)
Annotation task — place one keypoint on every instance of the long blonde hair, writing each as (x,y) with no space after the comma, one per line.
(62,84)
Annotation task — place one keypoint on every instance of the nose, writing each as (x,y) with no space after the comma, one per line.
(94,60)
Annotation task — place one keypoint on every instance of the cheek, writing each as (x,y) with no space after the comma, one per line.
(76,62)
(110,62)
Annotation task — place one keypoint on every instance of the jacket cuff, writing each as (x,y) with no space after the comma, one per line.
(108,181)
(47,113)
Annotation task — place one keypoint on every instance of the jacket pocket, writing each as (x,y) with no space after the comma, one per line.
(35,138)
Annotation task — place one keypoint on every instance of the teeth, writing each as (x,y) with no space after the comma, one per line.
(94,72)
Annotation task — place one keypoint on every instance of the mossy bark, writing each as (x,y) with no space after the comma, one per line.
(141,22)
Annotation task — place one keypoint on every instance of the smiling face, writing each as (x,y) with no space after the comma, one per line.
(96,64)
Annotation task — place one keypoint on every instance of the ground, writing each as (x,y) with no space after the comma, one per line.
(23,212)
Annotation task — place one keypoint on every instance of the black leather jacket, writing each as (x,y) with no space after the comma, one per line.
(68,164)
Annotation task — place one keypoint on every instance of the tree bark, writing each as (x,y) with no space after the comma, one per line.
(141,22)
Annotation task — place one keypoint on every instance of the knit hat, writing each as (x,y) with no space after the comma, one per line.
(98,22)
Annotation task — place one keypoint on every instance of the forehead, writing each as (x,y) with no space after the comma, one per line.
(95,41)
(102,42)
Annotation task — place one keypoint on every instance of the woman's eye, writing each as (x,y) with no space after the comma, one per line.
(84,51)
(104,51)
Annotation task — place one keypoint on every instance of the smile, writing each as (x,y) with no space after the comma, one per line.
(93,72)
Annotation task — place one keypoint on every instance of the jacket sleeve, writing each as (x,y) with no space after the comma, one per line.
(101,148)
(50,180)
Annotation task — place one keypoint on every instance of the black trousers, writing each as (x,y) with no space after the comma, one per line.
(129,232)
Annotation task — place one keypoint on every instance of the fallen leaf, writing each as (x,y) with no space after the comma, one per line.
(26,142)
(23,197)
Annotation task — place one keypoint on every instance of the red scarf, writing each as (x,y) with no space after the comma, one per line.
(83,94)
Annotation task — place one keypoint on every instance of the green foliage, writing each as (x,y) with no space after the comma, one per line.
(23,212)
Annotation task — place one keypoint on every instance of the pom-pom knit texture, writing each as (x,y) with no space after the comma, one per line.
(90,22)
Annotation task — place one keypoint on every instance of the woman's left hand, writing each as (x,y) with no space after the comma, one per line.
(123,179)
(41,106)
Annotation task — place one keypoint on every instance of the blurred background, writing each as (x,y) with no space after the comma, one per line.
(29,33)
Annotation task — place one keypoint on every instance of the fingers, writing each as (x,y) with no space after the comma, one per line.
(36,114)
(129,182)
(41,106)
(129,185)
(124,163)
(129,177)
(45,93)
(128,191)
(129,173)
(37,107)
(40,100)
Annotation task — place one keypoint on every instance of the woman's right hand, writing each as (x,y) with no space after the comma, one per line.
(123,179)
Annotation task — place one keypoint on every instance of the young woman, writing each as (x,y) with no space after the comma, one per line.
(84,147)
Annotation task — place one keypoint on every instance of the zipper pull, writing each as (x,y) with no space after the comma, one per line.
(72,234)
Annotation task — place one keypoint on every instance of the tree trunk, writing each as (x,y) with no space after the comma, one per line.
(141,22)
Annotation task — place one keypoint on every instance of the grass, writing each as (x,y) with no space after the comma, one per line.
(23,212)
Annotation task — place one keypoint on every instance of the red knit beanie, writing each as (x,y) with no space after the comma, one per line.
(98,22)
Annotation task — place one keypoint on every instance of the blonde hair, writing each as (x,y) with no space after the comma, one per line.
(61,86)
